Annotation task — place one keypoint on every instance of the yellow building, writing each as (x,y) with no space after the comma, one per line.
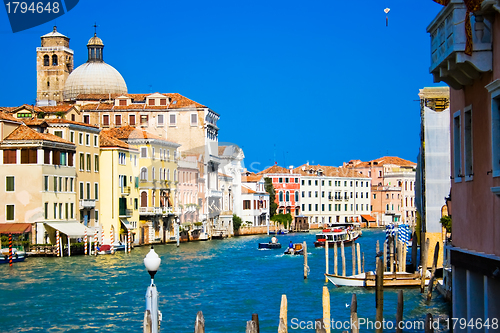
(119,191)
(157,182)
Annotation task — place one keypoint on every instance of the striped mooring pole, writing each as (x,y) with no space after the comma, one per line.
(95,241)
(85,241)
(112,241)
(102,235)
(128,240)
(10,249)
(58,240)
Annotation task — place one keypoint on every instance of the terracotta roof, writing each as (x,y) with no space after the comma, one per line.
(23,132)
(177,101)
(33,121)
(393,160)
(8,109)
(251,179)
(129,132)
(246,190)
(56,108)
(5,116)
(27,106)
(329,171)
(107,140)
(274,169)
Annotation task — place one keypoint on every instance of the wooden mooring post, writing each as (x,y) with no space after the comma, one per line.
(326,309)
(433,272)
(251,327)
(283,325)
(428,324)
(385,254)
(391,254)
(399,312)
(379,295)
(354,314)
(199,325)
(423,262)
(353,257)
(335,262)
(358,256)
(306,267)
(255,319)
(414,245)
(343,257)
(326,260)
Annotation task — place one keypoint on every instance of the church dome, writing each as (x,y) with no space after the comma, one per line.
(94,78)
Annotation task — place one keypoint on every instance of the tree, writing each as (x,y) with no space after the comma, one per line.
(237,222)
(284,219)
(272,196)
(446,222)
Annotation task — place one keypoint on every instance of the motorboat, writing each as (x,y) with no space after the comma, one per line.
(17,255)
(396,279)
(296,249)
(337,234)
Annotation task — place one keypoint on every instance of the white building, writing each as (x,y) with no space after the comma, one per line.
(333,195)
(255,201)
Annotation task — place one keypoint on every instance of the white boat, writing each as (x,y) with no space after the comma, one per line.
(399,279)
(338,233)
(17,255)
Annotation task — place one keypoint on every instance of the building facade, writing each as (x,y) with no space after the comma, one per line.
(286,183)
(468,61)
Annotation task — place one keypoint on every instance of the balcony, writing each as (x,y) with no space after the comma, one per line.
(125,190)
(286,203)
(125,212)
(87,203)
(151,210)
(449,63)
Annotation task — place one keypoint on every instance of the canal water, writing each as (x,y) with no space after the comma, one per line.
(226,279)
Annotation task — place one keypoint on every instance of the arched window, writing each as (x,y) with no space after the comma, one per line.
(54,60)
(175,175)
(153,174)
(46,60)
(296,196)
(153,199)
(144,174)
(164,174)
(281,196)
(287,196)
(168,174)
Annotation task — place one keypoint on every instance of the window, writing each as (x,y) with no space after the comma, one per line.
(96,163)
(309,194)
(122,158)
(163,101)
(151,101)
(144,120)
(96,191)
(286,179)
(168,155)
(122,102)
(144,152)
(54,60)
(55,184)
(55,211)
(58,133)
(457,139)
(316,207)
(87,140)
(246,204)
(153,173)
(80,138)
(28,156)
(9,212)
(46,183)
(168,174)
(494,89)
(296,180)
(322,207)
(89,162)
(9,156)
(316,182)
(287,196)
(88,190)
(172,119)
(9,184)
(303,182)
(72,136)
(315,194)
(131,120)
(144,174)
(81,190)
(468,143)
(194,119)
(366,184)
(303,194)
(46,210)
(66,215)
(46,60)
(105,120)
(60,211)
(86,119)
(82,162)
(63,160)
(296,195)
(160,120)
(96,141)
(280,196)
(153,153)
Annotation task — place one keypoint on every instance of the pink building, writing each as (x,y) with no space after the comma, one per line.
(470,65)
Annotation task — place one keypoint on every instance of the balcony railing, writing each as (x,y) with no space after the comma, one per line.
(125,190)
(87,203)
(151,210)
(123,212)
(449,63)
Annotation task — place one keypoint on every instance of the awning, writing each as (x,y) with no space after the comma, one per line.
(369,218)
(70,229)
(14,228)
(127,225)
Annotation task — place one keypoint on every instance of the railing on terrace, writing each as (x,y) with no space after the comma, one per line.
(87,203)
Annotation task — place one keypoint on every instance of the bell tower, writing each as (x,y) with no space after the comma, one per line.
(54,63)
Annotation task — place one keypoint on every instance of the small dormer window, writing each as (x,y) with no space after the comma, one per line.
(54,60)
(163,101)
(123,102)
(46,60)
(151,101)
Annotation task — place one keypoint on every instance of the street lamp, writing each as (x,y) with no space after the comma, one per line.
(152,262)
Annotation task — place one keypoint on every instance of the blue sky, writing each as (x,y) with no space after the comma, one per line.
(324,81)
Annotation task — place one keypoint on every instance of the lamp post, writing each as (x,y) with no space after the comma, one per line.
(152,262)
